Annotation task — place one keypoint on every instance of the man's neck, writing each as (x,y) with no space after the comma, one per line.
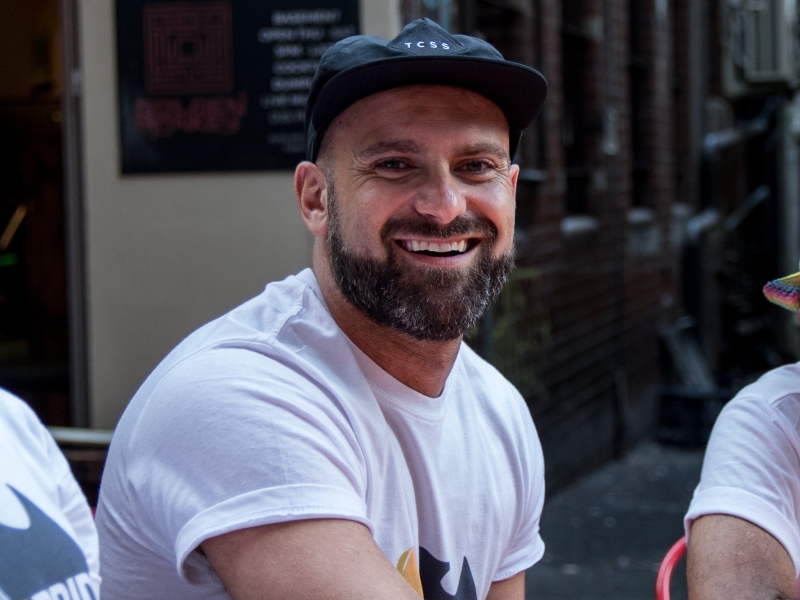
(422,365)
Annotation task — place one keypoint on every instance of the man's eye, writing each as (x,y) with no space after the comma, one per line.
(393,165)
(477,166)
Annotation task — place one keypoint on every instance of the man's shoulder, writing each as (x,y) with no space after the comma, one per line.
(479,372)
(258,325)
(24,440)
(494,392)
(263,316)
(501,411)
(19,423)
(261,338)
(778,389)
(765,407)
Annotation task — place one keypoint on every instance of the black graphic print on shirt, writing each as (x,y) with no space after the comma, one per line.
(41,562)
(432,571)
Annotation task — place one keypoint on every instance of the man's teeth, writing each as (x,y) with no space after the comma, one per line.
(415,246)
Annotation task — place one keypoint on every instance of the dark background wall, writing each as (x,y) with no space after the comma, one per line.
(613,170)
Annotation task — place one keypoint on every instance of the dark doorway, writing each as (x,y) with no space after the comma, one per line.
(34,340)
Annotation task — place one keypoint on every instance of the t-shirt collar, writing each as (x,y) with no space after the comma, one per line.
(393,393)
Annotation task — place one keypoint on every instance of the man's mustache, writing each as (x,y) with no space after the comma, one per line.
(462,225)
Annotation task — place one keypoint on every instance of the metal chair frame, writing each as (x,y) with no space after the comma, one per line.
(668,563)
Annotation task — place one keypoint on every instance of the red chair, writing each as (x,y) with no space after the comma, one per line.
(668,563)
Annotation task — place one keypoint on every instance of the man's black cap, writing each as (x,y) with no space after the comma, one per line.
(423,53)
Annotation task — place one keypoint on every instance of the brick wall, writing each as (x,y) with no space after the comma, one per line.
(577,327)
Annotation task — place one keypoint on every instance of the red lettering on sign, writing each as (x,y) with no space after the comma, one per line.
(163,117)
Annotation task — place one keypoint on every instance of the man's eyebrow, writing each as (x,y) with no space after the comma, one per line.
(401,146)
(484,148)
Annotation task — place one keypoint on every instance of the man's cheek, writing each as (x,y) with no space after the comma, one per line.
(366,242)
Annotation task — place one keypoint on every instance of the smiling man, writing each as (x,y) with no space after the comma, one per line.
(333,437)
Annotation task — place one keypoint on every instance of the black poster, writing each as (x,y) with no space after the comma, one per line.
(220,85)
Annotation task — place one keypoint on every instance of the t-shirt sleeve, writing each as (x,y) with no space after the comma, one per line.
(43,472)
(527,548)
(74,507)
(225,451)
(751,471)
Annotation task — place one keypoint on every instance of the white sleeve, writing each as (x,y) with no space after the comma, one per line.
(237,440)
(74,507)
(751,470)
(527,548)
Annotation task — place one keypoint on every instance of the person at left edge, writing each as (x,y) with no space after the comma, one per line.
(48,542)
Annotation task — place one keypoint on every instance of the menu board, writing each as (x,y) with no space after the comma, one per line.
(220,85)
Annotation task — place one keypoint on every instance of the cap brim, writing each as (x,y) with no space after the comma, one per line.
(518,90)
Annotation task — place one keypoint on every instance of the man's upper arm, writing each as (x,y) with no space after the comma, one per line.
(732,559)
(750,471)
(512,588)
(225,452)
(327,559)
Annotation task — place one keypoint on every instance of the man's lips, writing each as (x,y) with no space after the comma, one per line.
(436,247)
(422,245)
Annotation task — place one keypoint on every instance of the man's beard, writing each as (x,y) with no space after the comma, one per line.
(427,303)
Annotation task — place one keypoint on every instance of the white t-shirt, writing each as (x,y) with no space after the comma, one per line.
(751,468)
(270,414)
(48,543)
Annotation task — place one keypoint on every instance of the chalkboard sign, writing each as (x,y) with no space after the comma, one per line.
(220,85)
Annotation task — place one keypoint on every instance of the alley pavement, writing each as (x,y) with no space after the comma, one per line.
(606,534)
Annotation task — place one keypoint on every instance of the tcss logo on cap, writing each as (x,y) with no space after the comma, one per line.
(431,44)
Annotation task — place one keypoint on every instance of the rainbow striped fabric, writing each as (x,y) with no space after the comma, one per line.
(784,292)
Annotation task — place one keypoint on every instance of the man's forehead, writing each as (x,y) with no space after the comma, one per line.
(415,146)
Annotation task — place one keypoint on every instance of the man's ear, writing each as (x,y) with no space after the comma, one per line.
(311,189)
(514,172)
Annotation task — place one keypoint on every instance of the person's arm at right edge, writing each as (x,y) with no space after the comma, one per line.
(322,559)
(732,559)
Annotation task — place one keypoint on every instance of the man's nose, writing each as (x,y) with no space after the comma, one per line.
(441,198)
